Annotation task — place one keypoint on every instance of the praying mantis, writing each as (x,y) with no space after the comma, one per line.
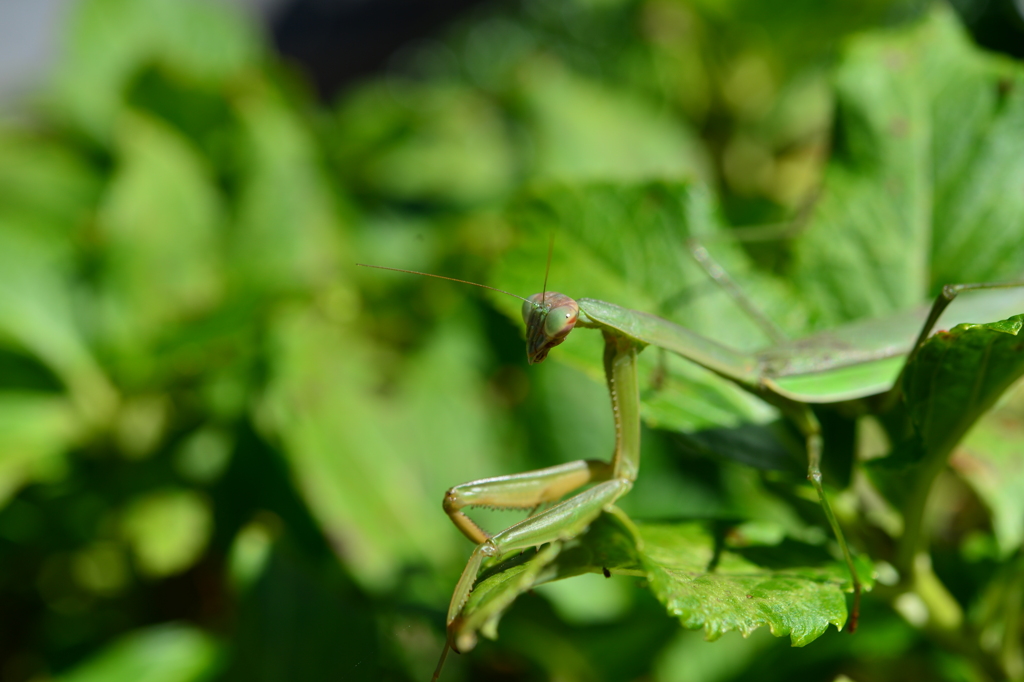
(851,363)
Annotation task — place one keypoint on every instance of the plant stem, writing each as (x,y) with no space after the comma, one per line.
(945,618)
(914,540)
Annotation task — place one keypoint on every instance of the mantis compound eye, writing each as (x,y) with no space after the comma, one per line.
(528,307)
(561,320)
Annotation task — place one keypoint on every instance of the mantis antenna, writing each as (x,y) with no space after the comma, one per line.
(547,268)
(452,279)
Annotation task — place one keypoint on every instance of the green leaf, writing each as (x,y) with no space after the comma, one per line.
(710,576)
(46,187)
(160,221)
(923,188)
(289,231)
(373,463)
(37,313)
(865,250)
(36,429)
(741,593)
(990,459)
(164,653)
(585,131)
(168,530)
(112,40)
(414,142)
(977,149)
(344,459)
(949,384)
(956,376)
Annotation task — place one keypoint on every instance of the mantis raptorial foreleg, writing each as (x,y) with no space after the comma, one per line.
(528,490)
(531,489)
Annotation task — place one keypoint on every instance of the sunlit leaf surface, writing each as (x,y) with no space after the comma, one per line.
(708,575)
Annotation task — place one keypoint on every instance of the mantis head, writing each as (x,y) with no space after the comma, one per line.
(549,318)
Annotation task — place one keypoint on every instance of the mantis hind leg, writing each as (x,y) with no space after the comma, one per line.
(717,274)
(814,476)
(808,424)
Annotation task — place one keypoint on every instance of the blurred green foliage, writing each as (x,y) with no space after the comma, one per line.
(223,447)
